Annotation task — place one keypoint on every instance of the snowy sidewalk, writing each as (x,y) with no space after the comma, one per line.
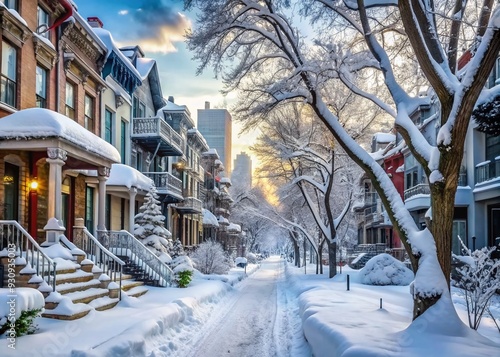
(132,328)
(343,323)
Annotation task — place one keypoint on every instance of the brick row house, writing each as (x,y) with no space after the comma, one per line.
(78,71)
(84,133)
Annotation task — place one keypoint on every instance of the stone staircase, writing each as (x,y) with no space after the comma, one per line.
(80,287)
(137,272)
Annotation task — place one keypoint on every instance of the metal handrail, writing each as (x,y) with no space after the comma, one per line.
(109,263)
(125,244)
(14,236)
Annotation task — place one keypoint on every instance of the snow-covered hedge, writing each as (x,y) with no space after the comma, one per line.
(384,269)
(18,310)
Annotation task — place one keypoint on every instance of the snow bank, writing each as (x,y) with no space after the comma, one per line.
(384,269)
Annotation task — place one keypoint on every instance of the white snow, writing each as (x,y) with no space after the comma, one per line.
(384,269)
(124,175)
(209,218)
(19,300)
(144,66)
(38,123)
(212,314)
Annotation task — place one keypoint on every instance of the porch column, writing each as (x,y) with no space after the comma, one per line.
(56,159)
(103,174)
(131,209)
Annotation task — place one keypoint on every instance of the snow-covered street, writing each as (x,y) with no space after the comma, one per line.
(255,319)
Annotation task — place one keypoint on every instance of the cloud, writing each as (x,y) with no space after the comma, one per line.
(123,12)
(159,25)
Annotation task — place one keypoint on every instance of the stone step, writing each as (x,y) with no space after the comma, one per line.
(103,303)
(136,291)
(129,284)
(72,287)
(88,295)
(78,276)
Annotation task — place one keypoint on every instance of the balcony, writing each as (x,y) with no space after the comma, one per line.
(189,205)
(156,135)
(166,184)
(420,189)
(488,170)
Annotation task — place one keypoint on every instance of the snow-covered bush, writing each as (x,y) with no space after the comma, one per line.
(252,258)
(182,266)
(478,279)
(177,249)
(149,226)
(209,258)
(17,317)
(384,269)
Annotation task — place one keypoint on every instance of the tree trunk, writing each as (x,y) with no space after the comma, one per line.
(321,256)
(296,251)
(332,258)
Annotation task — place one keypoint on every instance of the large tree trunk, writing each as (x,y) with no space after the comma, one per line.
(332,258)
(296,252)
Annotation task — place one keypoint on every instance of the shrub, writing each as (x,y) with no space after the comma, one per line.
(209,258)
(184,278)
(24,325)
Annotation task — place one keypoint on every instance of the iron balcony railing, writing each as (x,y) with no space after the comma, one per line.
(15,243)
(420,189)
(123,243)
(97,252)
(155,126)
(165,182)
(190,203)
(488,170)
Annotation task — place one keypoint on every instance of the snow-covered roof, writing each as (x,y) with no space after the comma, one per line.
(234,228)
(124,175)
(39,123)
(223,220)
(111,47)
(172,107)
(210,152)
(144,66)
(209,218)
(78,18)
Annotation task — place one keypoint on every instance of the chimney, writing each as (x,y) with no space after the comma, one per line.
(207,105)
(171,98)
(95,22)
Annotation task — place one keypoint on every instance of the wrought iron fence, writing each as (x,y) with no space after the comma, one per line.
(16,241)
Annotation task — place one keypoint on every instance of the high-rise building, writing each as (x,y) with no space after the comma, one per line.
(242,172)
(216,127)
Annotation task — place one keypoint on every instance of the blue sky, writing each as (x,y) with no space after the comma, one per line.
(158,27)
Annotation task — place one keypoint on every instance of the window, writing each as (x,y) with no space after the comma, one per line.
(11,4)
(70,100)
(123,140)
(8,87)
(41,87)
(139,161)
(43,22)
(89,113)
(139,108)
(11,192)
(492,147)
(89,209)
(108,126)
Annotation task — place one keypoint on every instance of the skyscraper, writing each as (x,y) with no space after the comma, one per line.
(216,127)
(242,172)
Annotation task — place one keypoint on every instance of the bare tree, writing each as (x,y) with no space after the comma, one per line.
(260,53)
